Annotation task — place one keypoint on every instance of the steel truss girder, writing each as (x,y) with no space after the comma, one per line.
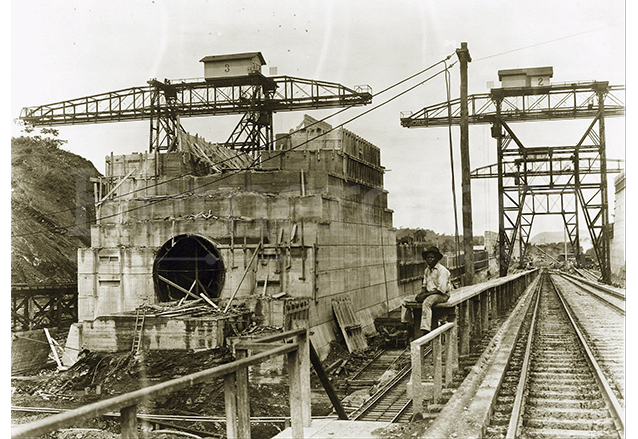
(570,170)
(163,103)
(520,104)
(197,98)
(559,166)
(253,133)
(571,189)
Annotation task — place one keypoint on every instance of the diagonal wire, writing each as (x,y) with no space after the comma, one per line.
(287,135)
(191,191)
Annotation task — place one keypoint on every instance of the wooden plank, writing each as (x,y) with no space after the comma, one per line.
(248,268)
(128,422)
(418,393)
(325,382)
(465,328)
(485,312)
(304,378)
(350,328)
(243,398)
(56,357)
(99,203)
(438,369)
(173,284)
(230,404)
(296,409)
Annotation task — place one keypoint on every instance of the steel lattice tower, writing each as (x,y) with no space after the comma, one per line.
(570,181)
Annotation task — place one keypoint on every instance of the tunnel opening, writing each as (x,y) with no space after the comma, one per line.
(187,267)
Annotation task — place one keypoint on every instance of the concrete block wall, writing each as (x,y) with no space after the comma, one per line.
(115,333)
(617,245)
(113,280)
(326,231)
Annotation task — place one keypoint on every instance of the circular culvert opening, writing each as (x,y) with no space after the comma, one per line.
(188,263)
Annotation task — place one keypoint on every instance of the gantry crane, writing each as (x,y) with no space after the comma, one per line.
(164,103)
(547,179)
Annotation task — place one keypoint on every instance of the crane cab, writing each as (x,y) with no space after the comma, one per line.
(233,65)
(527,77)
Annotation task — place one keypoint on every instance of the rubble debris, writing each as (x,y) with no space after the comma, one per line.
(192,308)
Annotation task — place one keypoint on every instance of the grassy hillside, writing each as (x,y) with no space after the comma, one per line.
(51,210)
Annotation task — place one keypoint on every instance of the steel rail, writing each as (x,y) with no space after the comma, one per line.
(615,409)
(178,418)
(368,364)
(402,411)
(597,296)
(517,410)
(377,397)
(593,283)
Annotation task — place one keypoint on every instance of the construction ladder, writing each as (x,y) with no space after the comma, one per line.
(140,314)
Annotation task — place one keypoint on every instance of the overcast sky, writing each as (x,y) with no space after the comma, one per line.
(69,49)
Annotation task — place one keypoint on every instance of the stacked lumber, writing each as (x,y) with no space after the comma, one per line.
(191,308)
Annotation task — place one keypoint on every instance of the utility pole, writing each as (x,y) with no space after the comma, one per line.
(468,240)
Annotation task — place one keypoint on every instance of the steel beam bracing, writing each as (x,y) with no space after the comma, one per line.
(570,181)
(164,103)
(521,104)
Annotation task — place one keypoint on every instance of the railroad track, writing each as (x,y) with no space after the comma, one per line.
(369,375)
(609,296)
(589,274)
(390,403)
(553,385)
(390,400)
(601,316)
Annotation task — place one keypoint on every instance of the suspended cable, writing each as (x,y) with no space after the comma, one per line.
(282,152)
(287,135)
(539,44)
(191,191)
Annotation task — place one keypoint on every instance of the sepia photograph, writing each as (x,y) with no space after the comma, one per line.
(318,219)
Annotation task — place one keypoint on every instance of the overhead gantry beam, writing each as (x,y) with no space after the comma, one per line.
(520,104)
(254,95)
(549,167)
(197,98)
(533,181)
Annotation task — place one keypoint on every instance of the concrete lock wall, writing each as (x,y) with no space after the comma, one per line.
(320,213)
(617,247)
(115,333)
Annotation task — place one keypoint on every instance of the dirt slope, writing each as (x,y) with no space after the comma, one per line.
(51,209)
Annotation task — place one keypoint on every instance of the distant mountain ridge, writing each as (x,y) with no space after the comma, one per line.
(553,237)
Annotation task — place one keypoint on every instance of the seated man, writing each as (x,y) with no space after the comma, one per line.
(435,289)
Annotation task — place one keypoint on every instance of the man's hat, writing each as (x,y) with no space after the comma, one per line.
(432,250)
